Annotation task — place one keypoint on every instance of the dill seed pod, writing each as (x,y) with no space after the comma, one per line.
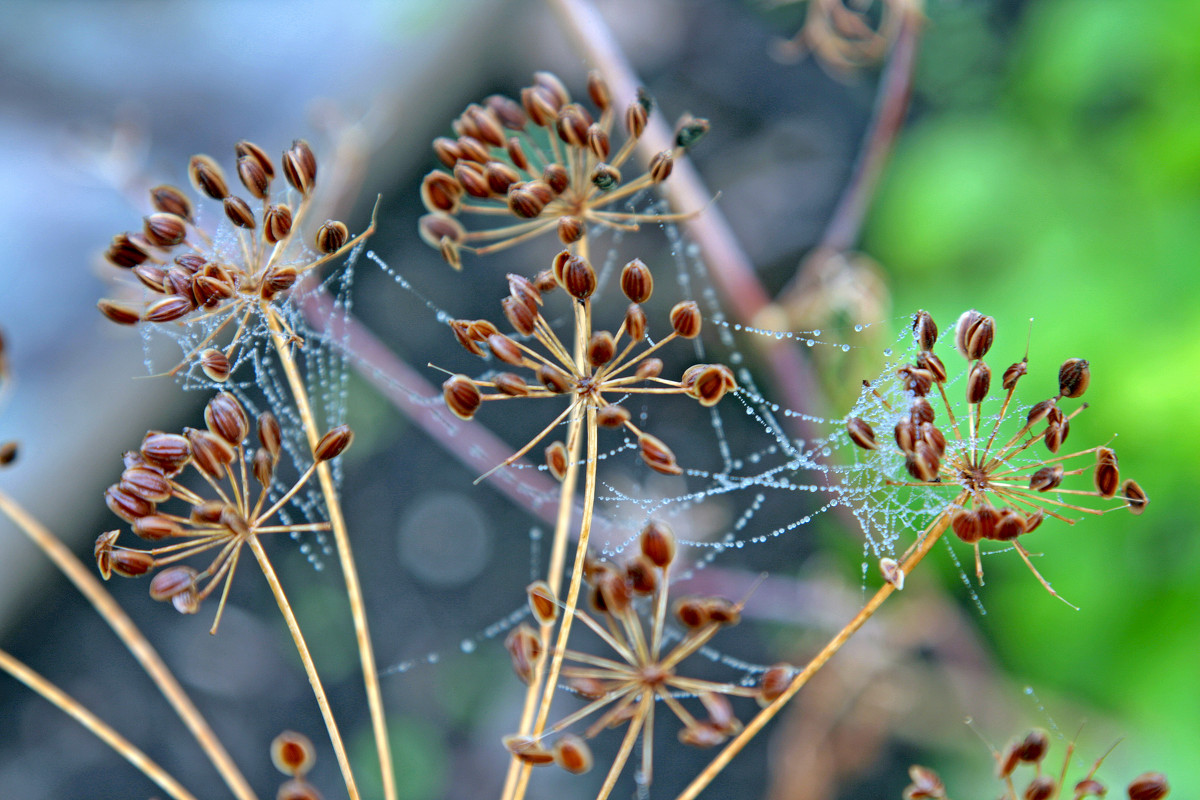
(661,166)
(572,754)
(556,460)
(657,543)
(131,563)
(925,330)
(542,602)
(524,648)
(612,416)
(605,177)
(658,456)
(125,505)
(527,750)
(145,482)
(892,573)
(120,313)
(1033,747)
(601,348)
(164,230)
(570,229)
(215,365)
(578,278)
(1042,787)
(861,433)
(207,177)
(263,466)
(505,349)
(440,192)
(635,322)
(926,785)
(167,451)
(519,316)
(155,528)
(293,753)
(170,200)
(690,131)
(300,166)
(556,177)
(979,380)
(177,584)
(331,236)
(636,281)
(127,251)
(1134,496)
(210,453)
(774,682)
(334,443)
(511,384)
(225,417)
(598,143)
(1073,377)
(462,396)
(1107,476)
(270,435)
(554,379)
(1148,786)
(929,362)
(685,319)
(253,177)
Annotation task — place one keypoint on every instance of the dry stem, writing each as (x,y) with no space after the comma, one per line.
(920,549)
(133,639)
(97,726)
(349,570)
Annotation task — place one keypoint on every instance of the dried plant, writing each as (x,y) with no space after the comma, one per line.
(230,296)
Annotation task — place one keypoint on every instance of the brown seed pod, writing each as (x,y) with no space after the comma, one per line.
(597,90)
(774,682)
(720,712)
(906,434)
(130,563)
(441,192)
(263,466)
(922,463)
(170,200)
(1107,476)
(685,319)
(127,251)
(1014,374)
(516,152)
(293,753)
(225,417)
(925,330)
(270,435)
(861,433)
(920,411)
(207,177)
(689,131)
(1042,787)
(542,602)
(649,368)
(1056,434)
(570,229)
(511,384)
(636,281)
(461,330)
(156,528)
(300,166)
(657,543)
(988,517)
(333,443)
(331,236)
(178,584)
(524,648)
(708,383)
(1089,787)
(277,222)
(152,277)
(8,453)
(471,149)
(1009,525)
(210,453)
(1073,377)
(661,166)
(215,365)
(933,365)
(601,348)
(462,396)
(658,456)
(572,124)
(164,230)
(1134,496)
(636,116)
(1033,519)
(207,513)
(635,322)
(979,381)
(691,612)
(966,525)
(120,313)
(933,437)
(572,754)
(519,316)
(527,750)
(973,334)
(146,482)
(702,735)
(597,142)
(523,201)
(447,150)
(253,177)
(892,573)
(612,416)
(507,111)
(1032,749)
(926,785)
(524,290)
(1148,786)
(506,350)
(556,460)
(916,380)
(613,591)
(167,451)
(471,177)
(578,278)
(554,379)
(125,505)
(1040,411)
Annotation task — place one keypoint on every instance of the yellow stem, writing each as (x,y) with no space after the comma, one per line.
(345,555)
(310,668)
(929,538)
(97,726)
(137,644)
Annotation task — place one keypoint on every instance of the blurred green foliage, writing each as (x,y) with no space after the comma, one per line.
(1063,186)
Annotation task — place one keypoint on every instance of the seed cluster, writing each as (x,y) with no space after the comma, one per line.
(1000,493)
(227,519)
(1031,750)
(191,280)
(626,689)
(607,362)
(545,160)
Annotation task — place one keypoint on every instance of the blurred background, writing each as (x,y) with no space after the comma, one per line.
(1047,169)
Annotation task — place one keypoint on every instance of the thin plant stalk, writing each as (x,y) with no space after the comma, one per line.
(920,549)
(98,727)
(310,668)
(133,639)
(345,555)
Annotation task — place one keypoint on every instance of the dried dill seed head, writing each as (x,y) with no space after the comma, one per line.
(610,366)
(547,161)
(225,517)
(209,275)
(1018,784)
(629,607)
(1002,473)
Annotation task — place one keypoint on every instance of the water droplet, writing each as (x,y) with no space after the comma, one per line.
(817,332)
(845,348)
(888,352)
(467,646)
(433,658)
(809,342)
(858,328)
